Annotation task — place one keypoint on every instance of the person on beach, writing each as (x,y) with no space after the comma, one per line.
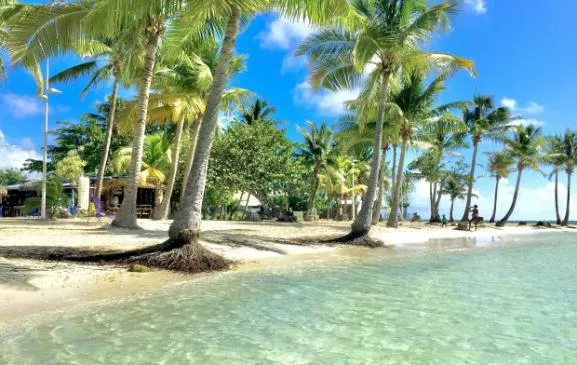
(444,221)
(474,217)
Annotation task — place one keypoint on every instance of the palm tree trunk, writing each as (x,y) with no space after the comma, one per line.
(503,221)
(163,209)
(362,224)
(127,213)
(464,223)
(431,201)
(313,193)
(492,220)
(451,211)
(189,160)
(107,138)
(379,201)
(394,216)
(567,209)
(186,225)
(394,170)
(557,196)
(246,206)
(438,201)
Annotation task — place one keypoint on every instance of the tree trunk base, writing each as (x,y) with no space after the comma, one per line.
(125,223)
(183,254)
(393,224)
(463,226)
(358,239)
(500,224)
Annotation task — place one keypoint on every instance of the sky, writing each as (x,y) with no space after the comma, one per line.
(524,56)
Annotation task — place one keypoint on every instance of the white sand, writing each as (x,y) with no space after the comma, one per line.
(31,286)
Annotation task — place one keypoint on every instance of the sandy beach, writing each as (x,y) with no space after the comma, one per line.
(29,286)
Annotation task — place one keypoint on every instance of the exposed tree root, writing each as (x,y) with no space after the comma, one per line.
(357,239)
(183,254)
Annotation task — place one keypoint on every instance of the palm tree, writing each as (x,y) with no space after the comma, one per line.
(484,121)
(387,34)
(259,111)
(455,187)
(156,161)
(317,153)
(569,156)
(525,146)
(111,63)
(555,158)
(499,166)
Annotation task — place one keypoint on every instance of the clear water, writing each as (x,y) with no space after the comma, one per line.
(515,304)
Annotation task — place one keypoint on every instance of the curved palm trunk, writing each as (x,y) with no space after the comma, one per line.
(163,209)
(503,221)
(451,211)
(362,224)
(431,202)
(127,213)
(107,139)
(492,220)
(394,216)
(313,194)
(557,196)
(379,201)
(189,161)
(186,225)
(464,223)
(566,219)
(394,170)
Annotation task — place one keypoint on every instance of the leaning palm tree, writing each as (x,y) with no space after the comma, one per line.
(484,121)
(569,153)
(316,151)
(526,148)
(386,35)
(499,167)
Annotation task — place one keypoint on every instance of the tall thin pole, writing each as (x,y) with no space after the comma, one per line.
(353,191)
(45,143)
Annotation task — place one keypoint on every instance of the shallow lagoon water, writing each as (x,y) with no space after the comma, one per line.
(513,304)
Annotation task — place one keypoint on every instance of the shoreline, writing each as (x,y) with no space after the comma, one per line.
(31,287)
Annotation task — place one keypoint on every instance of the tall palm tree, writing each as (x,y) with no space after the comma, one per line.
(386,35)
(526,148)
(317,151)
(555,158)
(569,153)
(484,121)
(257,112)
(499,166)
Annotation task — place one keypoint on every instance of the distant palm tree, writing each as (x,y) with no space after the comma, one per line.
(317,153)
(526,148)
(260,111)
(388,35)
(499,166)
(555,158)
(484,121)
(569,153)
(455,187)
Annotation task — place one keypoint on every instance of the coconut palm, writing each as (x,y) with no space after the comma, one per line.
(386,35)
(455,187)
(414,102)
(156,161)
(526,148)
(555,158)
(317,152)
(499,166)
(259,111)
(484,121)
(443,137)
(568,149)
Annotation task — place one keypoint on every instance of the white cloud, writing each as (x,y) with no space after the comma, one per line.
(478,6)
(531,108)
(14,155)
(533,203)
(291,62)
(282,33)
(326,103)
(22,106)
(526,122)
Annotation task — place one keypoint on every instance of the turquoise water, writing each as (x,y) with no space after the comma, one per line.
(515,304)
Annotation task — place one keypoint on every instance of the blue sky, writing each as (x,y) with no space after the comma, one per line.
(524,54)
